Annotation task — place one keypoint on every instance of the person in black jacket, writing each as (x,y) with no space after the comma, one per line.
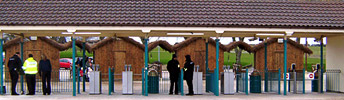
(173,69)
(188,73)
(45,72)
(14,66)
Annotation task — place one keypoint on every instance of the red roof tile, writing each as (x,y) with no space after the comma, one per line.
(205,13)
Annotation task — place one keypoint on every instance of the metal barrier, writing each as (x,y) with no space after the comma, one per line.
(242,81)
(61,81)
(274,81)
(333,80)
(296,81)
(210,81)
(164,82)
(227,80)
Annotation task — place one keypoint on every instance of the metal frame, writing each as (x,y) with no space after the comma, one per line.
(125,31)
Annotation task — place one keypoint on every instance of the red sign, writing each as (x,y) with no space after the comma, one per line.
(311,75)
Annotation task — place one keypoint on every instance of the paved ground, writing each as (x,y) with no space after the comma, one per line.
(310,96)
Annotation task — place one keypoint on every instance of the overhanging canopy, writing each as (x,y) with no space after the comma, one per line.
(129,18)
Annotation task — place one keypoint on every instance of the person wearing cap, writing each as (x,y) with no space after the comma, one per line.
(30,68)
(188,74)
(173,69)
(14,66)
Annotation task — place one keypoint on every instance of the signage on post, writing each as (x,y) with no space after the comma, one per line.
(287,76)
(309,76)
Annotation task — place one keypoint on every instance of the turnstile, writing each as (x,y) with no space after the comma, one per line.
(227,81)
(95,82)
(197,81)
(127,80)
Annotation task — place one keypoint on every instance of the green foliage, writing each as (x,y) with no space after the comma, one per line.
(68,53)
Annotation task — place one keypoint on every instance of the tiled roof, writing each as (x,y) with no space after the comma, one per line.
(203,13)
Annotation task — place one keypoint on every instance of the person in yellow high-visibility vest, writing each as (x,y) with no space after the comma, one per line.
(30,68)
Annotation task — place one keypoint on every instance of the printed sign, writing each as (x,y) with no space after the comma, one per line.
(310,75)
(287,76)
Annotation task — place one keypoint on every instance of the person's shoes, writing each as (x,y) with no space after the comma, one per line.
(14,94)
(170,93)
(48,93)
(189,94)
(44,94)
(176,94)
(30,94)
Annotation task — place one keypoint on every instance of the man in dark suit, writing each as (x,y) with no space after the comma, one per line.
(173,69)
(188,74)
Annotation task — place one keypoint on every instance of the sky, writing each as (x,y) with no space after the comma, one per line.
(223,40)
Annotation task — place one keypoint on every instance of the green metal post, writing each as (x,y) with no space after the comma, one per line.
(1,67)
(246,82)
(216,85)
(279,80)
(265,68)
(110,82)
(146,67)
(206,67)
(22,60)
(83,67)
(321,65)
(182,82)
(113,79)
(285,66)
(143,82)
(303,79)
(78,78)
(74,84)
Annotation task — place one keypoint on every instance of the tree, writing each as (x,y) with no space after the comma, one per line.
(62,40)
(55,38)
(238,51)
(298,40)
(142,40)
(8,37)
(101,38)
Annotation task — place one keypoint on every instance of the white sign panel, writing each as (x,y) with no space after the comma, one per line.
(287,76)
(309,75)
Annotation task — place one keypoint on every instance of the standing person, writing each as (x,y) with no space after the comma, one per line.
(14,67)
(173,69)
(88,66)
(30,68)
(188,70)
(45,72)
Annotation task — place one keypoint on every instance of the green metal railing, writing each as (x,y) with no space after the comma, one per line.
(61,81)
(273,80)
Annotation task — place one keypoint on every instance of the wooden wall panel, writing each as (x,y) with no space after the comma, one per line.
(199,46)
(294,55)
(37,48)
(106,57)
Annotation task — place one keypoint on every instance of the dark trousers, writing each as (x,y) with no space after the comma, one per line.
(190,86)
(14,77)
(46,77)
(174,82)
(31,83)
